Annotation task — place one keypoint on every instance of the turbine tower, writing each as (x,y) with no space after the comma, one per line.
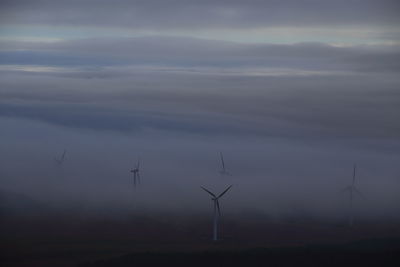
(60,160)
(223,171)
(136,175)
(217,210)
(352,191)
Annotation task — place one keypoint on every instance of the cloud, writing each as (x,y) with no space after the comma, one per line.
(311,106)
(208,87)
(204,14)
(192,52)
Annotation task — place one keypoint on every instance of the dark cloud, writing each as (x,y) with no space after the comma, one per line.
(204,14)
(207,104)
(191,52)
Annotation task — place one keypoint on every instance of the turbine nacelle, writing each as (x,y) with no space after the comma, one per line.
(214,197)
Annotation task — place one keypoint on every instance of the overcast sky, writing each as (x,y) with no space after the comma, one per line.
(293,92)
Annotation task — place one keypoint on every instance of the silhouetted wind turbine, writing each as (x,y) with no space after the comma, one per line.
(136,175)
(60,160)
(352,190)
(223,171)
(217,210)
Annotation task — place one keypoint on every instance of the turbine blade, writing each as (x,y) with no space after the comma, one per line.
(208,191)
(63,155)
(222,161)
(226,190)
(218,208)
(354,173)
(138,163)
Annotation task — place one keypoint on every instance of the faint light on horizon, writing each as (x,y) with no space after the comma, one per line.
(276,35)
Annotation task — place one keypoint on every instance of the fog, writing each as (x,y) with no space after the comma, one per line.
(290,147)
(293,93)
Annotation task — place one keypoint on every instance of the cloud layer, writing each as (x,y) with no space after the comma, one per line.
(205,14)
(293,92)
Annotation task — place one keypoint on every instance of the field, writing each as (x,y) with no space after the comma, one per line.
(149,241)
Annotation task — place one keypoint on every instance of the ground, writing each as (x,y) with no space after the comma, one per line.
(145,241)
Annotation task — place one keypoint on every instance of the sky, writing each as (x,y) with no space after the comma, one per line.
(292,92)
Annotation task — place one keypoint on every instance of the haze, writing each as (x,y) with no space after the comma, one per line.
(292,92)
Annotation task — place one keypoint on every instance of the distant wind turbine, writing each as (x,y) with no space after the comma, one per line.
(352,190)
(223,171)
(136,175)
(60,160)
(217,211)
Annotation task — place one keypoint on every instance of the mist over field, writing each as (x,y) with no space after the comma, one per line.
(289,143)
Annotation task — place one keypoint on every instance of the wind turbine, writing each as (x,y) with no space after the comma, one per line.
(223,171)
(352,190)
(60,160)
(217,210)
(136,175)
